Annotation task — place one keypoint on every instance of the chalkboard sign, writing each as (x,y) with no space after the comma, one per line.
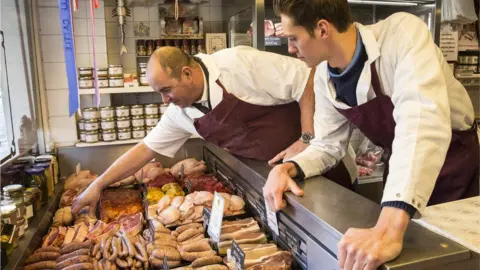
(238,256)
(206,217)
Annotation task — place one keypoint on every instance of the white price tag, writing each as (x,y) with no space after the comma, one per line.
(271,218)
(78,168)
(216,217)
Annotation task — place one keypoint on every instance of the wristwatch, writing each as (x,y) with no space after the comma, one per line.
(306,137)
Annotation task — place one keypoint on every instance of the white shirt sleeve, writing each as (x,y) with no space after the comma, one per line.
(332,133)
(167,137)
(421,114)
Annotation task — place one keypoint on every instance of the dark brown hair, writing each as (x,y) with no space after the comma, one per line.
(307,13)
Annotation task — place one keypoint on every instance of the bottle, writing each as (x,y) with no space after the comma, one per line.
(193,47)
(201,48)
(186,47)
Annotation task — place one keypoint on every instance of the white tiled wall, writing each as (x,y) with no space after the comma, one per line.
(62,127)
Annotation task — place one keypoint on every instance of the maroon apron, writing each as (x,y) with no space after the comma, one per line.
(459,175)
(255,131)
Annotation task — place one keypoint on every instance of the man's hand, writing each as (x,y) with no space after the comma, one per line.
(280,180)
(89,197)
(294,149)
(369,248)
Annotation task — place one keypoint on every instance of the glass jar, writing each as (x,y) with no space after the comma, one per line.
(151,109)
(122,111)
(9,177)
(163,108)
(49,173)
(102,73)
(136,110)
(109,135)
(108,123)
(9,212)
(149,129)
(90,113)
(115,70)
(124,134)
(103,82)
(28,199)
(158,43)
(142,67)
(85,82)
(186,47)
(100,135)
(151,120)
(53,160)
(39,179)
(123,122)
(36,194)
(83,135)
(23,179)
(150,46)
(143,80)
(107,112)
(91,125)
(201,47)
(193,47)
(141,50)
(81,124)
(85,72)
(138,121)
(115,81)
(15,193)
(138,133)
(21,225)
(92,136)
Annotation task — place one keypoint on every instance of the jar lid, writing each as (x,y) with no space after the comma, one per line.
(106,108)
(142,64)
(43,159)
(109,131)
(35,171)
(108,119)
(137,117)
(121,107)
(124,130)
(12,188)
(152,116)
(41,165)
(8,209)
(21,162)
(116,77)
(92,132)
(85,78)
(123,118)
(81,121)
(138,128)
(137,107)
(151,106)
(91,121)
(28,158)
(114,66)
(102,69)
(85,68)
(83,132)
(90,109)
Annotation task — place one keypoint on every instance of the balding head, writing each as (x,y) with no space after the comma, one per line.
(172,60)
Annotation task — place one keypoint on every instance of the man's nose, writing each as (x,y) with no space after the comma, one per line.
(292,49)
(166,99)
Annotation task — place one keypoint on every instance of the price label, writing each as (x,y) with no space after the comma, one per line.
(165,263)
(216,217)
(238,256)
(271,218)
(206,217)
(78,168)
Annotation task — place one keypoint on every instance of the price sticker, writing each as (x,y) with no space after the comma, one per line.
(271,218)
(78,168)
(216,217)
(238,256)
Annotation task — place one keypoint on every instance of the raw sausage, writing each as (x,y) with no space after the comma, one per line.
(42,256)
(48,249)
(75,246)
(41,265)
(73,260)
(84,251)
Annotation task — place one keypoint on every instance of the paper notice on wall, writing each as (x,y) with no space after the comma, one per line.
(449,45)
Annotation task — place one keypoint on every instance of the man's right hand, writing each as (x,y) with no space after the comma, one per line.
(280,180)
(89,197)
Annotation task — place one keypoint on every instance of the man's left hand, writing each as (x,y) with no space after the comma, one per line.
(369,248)
(294,149)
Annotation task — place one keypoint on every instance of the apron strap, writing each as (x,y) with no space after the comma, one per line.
(205,71)
(377,88)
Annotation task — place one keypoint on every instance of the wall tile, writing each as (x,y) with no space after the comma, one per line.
(215,14)
(153,14)
(55,76)
(57,102)
(112,30)
(154,29)
(80,27)
(114,59)
(113,45)
(47,3)
(100,45)
(108,14)
(204,12)
(129,61)
(216,27)
(207,27)
(129,29)
(131,45)
(52,48)
(102,60)
(215,2)
(100,11)
(99,27)
(63,129)
(140,14)
(110,3)
(83,11)
(49,21)
(82,59)
(82,44)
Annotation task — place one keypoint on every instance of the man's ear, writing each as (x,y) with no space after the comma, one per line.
(322,29)
(187,72)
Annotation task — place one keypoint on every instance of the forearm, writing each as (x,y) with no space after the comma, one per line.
(128,164)
(307,105)
(393,221)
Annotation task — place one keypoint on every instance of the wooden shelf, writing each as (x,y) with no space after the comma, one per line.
(84,144)
(182,36)
(117,90)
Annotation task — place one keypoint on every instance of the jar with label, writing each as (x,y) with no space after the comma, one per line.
(102,73)
(90,113)
(36,198)
(107,112)
(49,174)
(81,124)
(142,67)
(39,179)
(193,47)
(122,111)
(83,135)
(103,82)
(123,122)
(10,176)
(158,43)
(150,46)
(151,109)
(201,47)
(186,47)
(116,81)
(91,125)
(85,72)
(138,132)
(22,177)
(138,121)
(124,134)
(143,80)
(28,199)
(85,82)
(92,137)
(100,135)
(163,108)
(22,226)
(15,193)
(115,70)
(149,129)
(109,135)
(9,212)
(141,50)
(108,123)
(151,120)
(136,110)
(176,42)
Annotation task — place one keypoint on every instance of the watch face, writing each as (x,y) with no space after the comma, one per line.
(306,137)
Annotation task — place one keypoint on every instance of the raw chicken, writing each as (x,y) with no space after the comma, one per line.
(177,201)
(226,200)
(63,217)
(145,169)
(236,203)
(169,215)
(191,165)
(202,197)
(186,209)
(81,180)
(162,204)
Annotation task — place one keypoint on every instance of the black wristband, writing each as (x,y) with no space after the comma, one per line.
(300,174)
(401,205)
